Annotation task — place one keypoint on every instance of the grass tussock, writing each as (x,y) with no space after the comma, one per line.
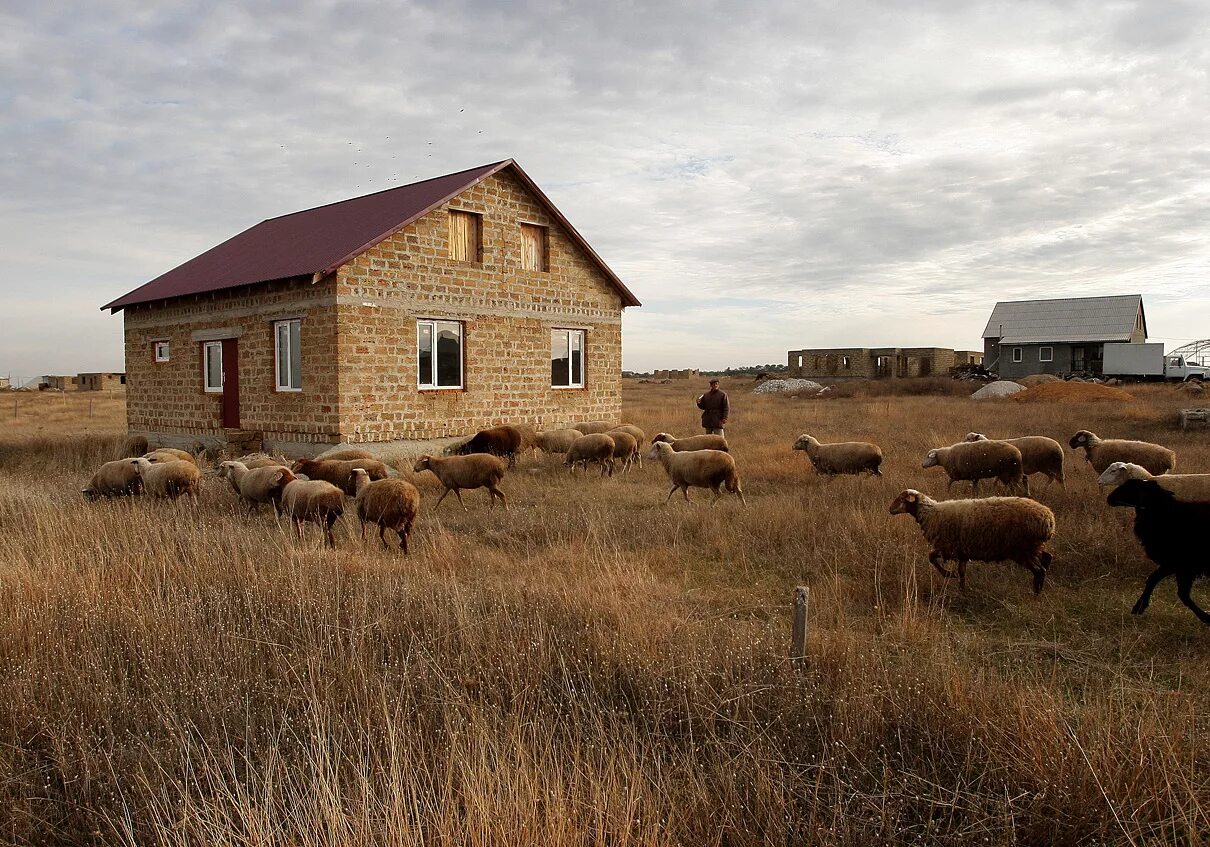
(591,668)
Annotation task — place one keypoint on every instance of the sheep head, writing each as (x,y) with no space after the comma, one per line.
(932,459)
(906,503)
(1083,438)
(422,464)
(662,437)
(805,442)
(975,436)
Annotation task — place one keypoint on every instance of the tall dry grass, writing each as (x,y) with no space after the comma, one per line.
(591,668)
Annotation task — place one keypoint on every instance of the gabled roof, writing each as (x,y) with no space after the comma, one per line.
(320,240)
(1070,319)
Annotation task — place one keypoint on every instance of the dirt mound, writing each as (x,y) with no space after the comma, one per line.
(1076,391)
(1038,379)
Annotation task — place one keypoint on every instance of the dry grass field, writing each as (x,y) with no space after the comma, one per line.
(590,667)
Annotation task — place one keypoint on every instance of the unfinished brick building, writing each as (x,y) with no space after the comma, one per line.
(877,362)
(428,310)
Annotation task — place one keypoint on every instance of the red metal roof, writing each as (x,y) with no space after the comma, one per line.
(322,239)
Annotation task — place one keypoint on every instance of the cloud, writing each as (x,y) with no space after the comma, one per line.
(764,178)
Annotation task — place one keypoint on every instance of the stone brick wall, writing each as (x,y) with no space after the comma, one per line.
(358,339)
(167,399)
(507,314)
(814,363)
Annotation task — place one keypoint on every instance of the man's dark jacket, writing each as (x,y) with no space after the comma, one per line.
(715,408)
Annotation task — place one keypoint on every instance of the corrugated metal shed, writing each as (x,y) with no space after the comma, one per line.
(1073,319)
(322,239)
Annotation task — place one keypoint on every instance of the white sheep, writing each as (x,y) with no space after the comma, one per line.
(843,457)
(1039,454)
(474,470)
(257,485)
(388,503)
(625,447)
(314,500)
(1103,452)
(114,479)
(978,460)
(593,427)
(691,442)
(698,469)
(169,479)
(639,436)
(557,440)
(169,454)
(1187,487)
(989,529)
(594,447)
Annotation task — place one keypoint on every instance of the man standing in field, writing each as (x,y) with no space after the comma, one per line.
(715,408)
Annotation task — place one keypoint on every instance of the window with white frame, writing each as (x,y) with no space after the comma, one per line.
(1017,354)
(439,353)
(1046,354)
(567,358)
(212,367)
(288,354)
(161,350)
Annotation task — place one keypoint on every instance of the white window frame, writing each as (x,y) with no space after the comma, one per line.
(568,333)
(1046,354)
(277,354)
(167,349)
(1018,354)
(207,346)
(435,326)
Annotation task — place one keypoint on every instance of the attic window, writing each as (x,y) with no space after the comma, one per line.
(533,248)
(466,237)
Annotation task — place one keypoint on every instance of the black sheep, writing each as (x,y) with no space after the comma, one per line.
(1173,536)
(503,441)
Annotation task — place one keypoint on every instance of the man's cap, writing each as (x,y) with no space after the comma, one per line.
(714,382)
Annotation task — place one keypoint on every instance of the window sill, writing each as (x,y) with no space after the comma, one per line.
(212,391)
(281,390)
(568,387)
(424,388)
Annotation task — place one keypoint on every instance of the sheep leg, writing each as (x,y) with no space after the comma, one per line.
(1037,566)
(962,574)
(685,491)
(718,493)
(975,487)
(936,558)
(458,494)
(671,491)
(329,538)
(1184,582)
(382,534)
(298,528)
(496,492)
(442,497)
(1144,600)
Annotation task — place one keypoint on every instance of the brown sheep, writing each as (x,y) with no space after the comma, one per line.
(557,440)
(698,469)
(594,447)
(168,479)
(344,454)
(257,485)
(478,470)
(1039,454)
(503,441)
(339,472)
(1103,452)
(977,460)
(639,436)
(593,427)
(389,503)
(316,501)
(170,454)
(625,447)
(114,479)
(991,529)
(691,442)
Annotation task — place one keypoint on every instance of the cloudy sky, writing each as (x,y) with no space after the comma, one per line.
(764,176)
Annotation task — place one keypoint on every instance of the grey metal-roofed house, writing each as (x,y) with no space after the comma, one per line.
(1062,336)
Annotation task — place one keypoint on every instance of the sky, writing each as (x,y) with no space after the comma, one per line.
(763,176)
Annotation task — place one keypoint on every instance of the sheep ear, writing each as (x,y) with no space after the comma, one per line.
(910,496)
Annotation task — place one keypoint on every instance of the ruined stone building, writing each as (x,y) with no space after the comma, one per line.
(877,362)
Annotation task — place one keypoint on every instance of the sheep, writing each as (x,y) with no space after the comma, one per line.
(991,529)
(1039,454)
(343,455)
(843,457)
(168,479)
(692,442)
(557,440)
(339,472)
(1101,453)
(625,447)
(253,462)
(135,445)
(593,427)
(170,454)
(978,460)
(638,435)
(1172,533)
(503,441)
(1188,487)
(389,503)
(698,469)
(593,447)
(478,470)
(257,485)
(315,500)
(114,479)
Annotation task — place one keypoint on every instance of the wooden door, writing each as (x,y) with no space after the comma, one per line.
(231,383)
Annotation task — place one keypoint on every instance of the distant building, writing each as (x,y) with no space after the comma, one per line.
(1063,336)
(100,381)
(4,383)
(681,374)
(876,362)
(61,383)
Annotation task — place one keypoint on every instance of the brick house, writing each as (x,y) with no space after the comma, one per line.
(1062,336)
(873,362)
(100,381)
(428,310)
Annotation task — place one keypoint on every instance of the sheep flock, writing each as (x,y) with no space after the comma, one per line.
(1011,526)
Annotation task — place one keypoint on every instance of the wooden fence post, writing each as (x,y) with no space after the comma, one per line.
(798,640)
